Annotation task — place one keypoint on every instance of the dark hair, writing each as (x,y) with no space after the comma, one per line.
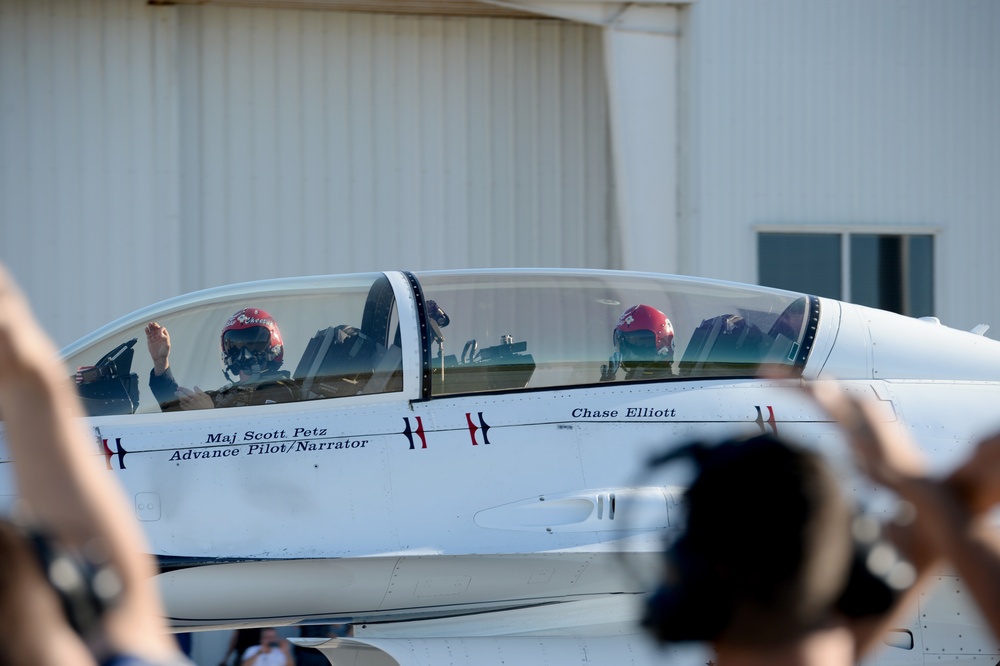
(767,548)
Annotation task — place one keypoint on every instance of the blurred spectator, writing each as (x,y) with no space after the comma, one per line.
(239,641)
(74,588)
(787,578)
(272,650)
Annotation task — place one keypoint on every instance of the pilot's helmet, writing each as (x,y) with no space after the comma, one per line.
(251,342)
(644,335)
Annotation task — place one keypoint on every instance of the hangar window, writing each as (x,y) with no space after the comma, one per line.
(892,272)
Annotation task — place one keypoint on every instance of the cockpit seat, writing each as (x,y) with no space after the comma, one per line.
(338,361)
(110,386)
(727,345)
(388,374)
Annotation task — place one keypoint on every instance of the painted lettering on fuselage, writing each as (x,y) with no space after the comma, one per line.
(264,436)
(585,413)
(196,454)
(331,446)
(654,413)
(650,413)
(265,443)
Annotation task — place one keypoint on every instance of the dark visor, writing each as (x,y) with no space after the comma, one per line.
(637,340)
(256,339)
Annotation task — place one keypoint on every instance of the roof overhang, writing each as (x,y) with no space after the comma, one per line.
(598,12)
(425,7)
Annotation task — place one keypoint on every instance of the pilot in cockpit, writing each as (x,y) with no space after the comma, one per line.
(644,345)
(251,349)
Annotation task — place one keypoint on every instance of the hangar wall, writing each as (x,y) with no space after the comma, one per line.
(151,150)
(154,150)
(845,114)
(88,166)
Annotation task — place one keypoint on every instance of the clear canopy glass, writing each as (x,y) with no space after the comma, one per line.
(548,329)
(481,331)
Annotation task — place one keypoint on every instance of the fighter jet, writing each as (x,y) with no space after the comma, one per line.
(453,461)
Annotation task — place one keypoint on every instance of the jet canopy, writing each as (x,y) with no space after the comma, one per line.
(429,334)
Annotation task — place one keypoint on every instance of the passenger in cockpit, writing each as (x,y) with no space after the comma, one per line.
(644,345)
(251,349)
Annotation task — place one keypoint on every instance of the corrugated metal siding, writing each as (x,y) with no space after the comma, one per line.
(156,150)
(88,194)
(846,112)
(366,141)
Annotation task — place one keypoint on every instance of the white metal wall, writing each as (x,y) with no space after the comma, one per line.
(153,150)
(392,141)
(88,157)
(157,150)
(845,112)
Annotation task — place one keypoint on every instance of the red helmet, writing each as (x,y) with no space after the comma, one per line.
(251,342)
(645,334)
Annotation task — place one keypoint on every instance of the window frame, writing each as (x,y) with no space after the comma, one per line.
(846,232)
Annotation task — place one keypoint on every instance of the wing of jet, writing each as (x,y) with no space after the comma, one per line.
(452,461)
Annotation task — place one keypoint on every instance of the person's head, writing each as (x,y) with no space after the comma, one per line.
(269,636)
(767,552)
(644,336)
(251,343)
